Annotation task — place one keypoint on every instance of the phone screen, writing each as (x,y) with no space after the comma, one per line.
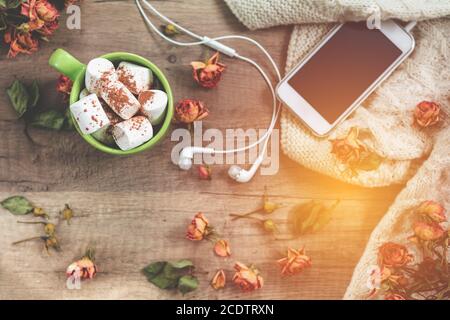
(343,69)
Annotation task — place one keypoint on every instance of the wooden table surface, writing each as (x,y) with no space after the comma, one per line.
(138,207)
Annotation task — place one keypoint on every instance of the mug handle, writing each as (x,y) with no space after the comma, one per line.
(66,64)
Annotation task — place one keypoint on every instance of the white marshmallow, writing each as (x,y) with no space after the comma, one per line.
(153,104)
(136,78)
(104,135)
(120,99)
(132,133)
(84,93)
(98,71)
(89,114)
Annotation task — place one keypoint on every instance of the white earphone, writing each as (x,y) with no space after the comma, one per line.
(187,154)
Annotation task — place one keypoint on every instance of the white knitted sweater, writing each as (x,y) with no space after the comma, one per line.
(387,114)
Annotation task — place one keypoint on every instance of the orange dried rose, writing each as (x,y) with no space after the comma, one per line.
(247,278)
(427,113)
(393,255)
(188,111)
(20,42)
(393,296)
(198,229)
(348,149)
(208,74)
(433,210)
(426,231)
(295,262)
(219,280)
(222,248)
(84,268)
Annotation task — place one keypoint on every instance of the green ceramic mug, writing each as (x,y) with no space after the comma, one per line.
(65,63)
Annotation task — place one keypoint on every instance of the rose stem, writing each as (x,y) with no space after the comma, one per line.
(245,215)
(25,240)
(34,222)
(237,216)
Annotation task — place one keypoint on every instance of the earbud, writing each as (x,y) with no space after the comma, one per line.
(243,176)
(187,154)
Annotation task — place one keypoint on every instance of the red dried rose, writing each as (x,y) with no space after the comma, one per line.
(39,12)
(427,113)
(20,42)
(208,74)
(393,255)
(64,85)
(187,111)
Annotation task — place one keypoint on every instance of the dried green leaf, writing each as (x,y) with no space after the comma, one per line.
(167,275)
(50,119)
(68,122)
(33,92)
(298,214)
(181,264)
(11,4)
(17,205)
(163,282)
(3,3)
(18,95)
(311,219)
(154,269)
(187,284)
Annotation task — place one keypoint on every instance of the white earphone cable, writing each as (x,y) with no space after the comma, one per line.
(205,41)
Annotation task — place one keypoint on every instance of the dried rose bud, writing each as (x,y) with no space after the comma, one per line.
(64,85)
(204,172)
(51,242)
(433,210)
(270,226)
(219,280)
(222,248)
(66,213)
(198,229)
(427,113)
(187,111)
(169,30)
(348,149)
(295,262)
(393,255)
(428,231)
(208,74)
(40,212)
(50,229)
(247,278)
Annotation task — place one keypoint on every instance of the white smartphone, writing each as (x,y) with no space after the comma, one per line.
(342,71)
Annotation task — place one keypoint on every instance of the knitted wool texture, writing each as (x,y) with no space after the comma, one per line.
(419,156)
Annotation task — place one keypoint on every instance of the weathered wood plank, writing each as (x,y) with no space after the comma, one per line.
(139,206)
